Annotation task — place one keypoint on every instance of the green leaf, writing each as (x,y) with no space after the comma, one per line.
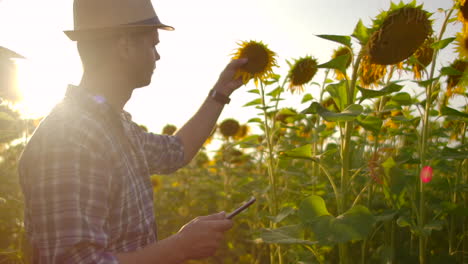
(338,63)
(389,163)
(367,93)
(459,153)
(361,33)
(370,123)
(426,83)
(348,114)
(285,212)
(284,235)
(345,40)
(254,91)
(338,93)
(312,109)
(248,142)
(307,97)
(450,71)
(257,101)
(276,92)
(355,224)
(402,99)
(386,216)
(447,111)
(403,221)
(442,44)
(312,207)
(303,152)
(255,120)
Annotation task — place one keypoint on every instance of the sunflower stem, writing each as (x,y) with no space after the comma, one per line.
(315,167)
(424,145)
(273,206)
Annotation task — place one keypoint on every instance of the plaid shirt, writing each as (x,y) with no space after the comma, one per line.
(85,175)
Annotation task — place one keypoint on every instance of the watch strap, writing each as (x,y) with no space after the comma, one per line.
(219,97)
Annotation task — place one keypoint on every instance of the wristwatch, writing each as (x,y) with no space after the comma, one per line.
(219,97)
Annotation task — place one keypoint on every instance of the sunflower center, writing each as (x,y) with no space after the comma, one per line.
(464,10)
(399,37)
(258,58)
(303,72)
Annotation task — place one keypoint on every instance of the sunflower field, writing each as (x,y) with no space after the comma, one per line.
(373,170)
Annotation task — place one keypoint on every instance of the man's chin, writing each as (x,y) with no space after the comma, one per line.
(143,84)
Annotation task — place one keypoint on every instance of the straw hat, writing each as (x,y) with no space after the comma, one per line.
(94,18)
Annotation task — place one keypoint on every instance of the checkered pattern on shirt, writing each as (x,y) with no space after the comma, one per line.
(87,190)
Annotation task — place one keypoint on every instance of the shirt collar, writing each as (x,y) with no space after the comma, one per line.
(97,102)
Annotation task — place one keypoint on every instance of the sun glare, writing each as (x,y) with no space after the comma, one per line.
(38,90)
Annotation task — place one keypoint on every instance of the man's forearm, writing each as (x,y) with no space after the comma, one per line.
(164,251)
(194,133)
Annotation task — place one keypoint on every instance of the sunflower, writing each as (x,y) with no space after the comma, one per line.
(229,127)
(398,33)
(301,72)
(340,52)
(463,11)
(260,62)
(456,83)
(169,129)
(423,56)
(156,182)
(370,73)
(242,132)
(461,43)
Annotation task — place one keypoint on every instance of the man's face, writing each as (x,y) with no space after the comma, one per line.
(143,57)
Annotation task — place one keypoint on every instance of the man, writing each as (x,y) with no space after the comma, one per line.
(85,172)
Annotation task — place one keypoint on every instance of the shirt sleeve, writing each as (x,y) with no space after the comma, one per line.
(66,183)
(164,153)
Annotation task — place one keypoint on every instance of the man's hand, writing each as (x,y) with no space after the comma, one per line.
(226,83)
(201,237)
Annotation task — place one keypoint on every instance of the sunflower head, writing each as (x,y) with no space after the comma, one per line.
(301,72)
(340,52)
(423,57)
(261,61)
(398,33)
(169,129)
(156,182)
(461,44)
(463,11)
(242,132)
(370,73)
(229,127)
(456,84)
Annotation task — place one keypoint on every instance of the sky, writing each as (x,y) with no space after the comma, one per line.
(192,56)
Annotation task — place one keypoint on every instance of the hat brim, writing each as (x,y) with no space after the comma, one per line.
(76,35)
